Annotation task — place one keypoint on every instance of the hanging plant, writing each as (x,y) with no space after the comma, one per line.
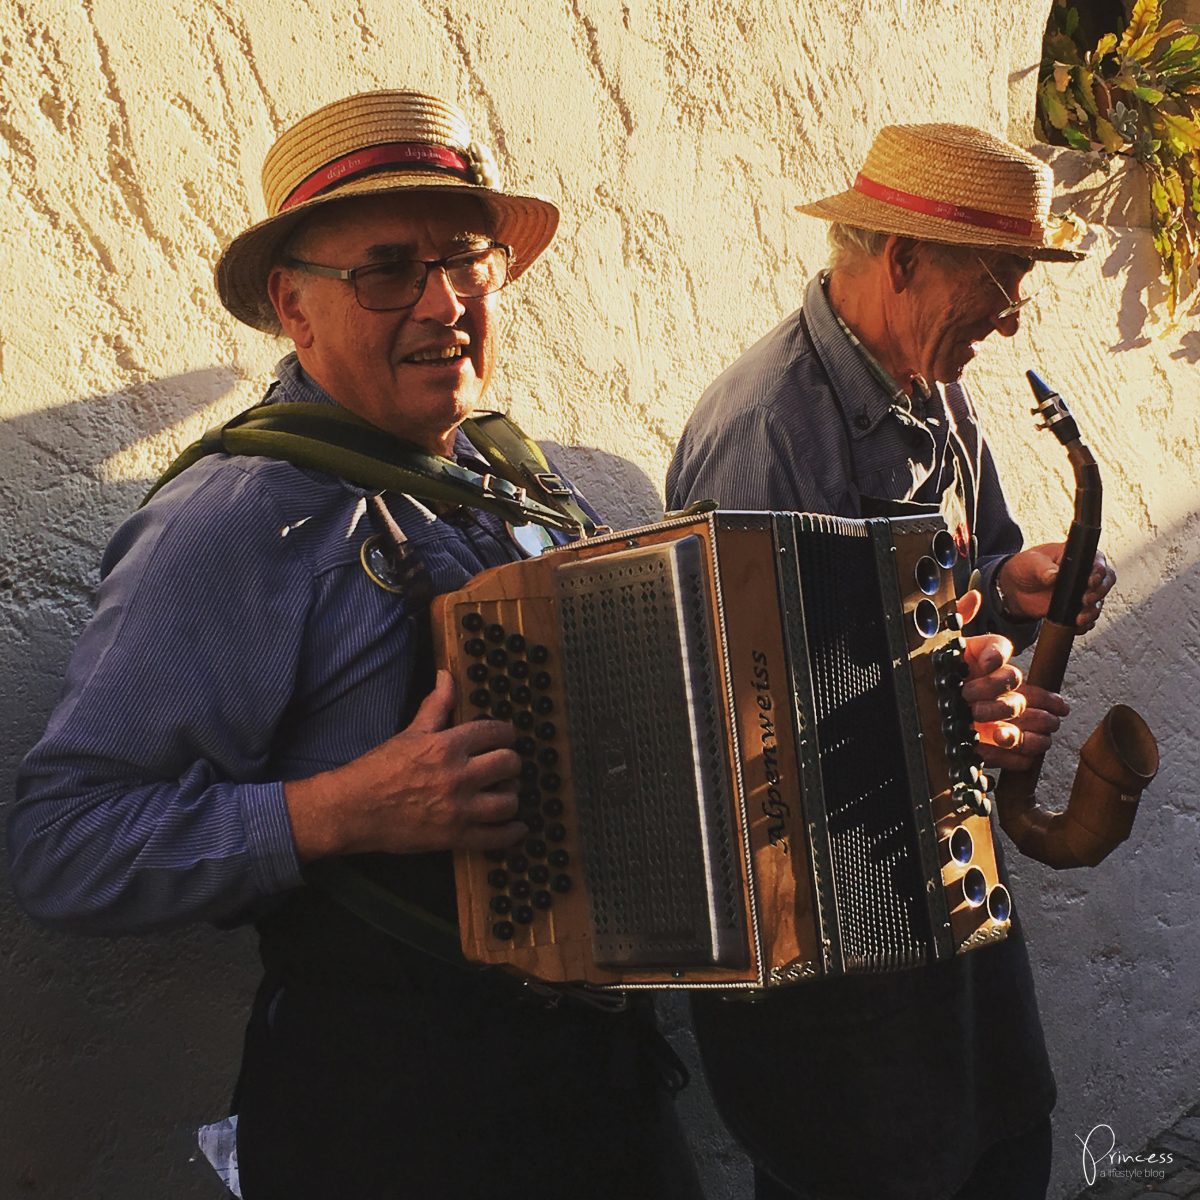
(1134,95)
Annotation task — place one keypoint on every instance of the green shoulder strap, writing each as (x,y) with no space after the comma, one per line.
(516,456)
(329,439)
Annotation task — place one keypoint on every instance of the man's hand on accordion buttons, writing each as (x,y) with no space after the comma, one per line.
(432,786)
(1015,720)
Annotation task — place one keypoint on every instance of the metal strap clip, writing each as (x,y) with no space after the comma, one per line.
(552,483)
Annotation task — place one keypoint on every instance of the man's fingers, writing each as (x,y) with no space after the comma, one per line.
(434,713)
(1038,697)
(992,686)
(493,837)
(968,605)
(491,768)
(478,737)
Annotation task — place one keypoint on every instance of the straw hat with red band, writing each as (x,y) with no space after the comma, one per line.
(372,143)
(956,185)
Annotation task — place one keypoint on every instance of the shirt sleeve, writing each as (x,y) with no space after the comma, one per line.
(149,803)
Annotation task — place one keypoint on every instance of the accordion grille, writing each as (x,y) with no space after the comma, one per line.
(651,762)
(878,880)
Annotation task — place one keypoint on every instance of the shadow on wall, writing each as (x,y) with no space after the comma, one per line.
(116,1048)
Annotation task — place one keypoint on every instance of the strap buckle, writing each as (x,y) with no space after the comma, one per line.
(552,483)
(496,485)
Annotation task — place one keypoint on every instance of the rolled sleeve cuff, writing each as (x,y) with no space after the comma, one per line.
(269,838)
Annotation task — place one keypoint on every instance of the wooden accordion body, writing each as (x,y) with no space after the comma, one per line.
(746,758)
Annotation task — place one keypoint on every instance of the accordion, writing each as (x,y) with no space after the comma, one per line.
(746,760)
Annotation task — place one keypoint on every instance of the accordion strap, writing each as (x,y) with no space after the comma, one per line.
(324,438)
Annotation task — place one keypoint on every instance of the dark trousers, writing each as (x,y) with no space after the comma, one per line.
(1017,1168)
(454,1096)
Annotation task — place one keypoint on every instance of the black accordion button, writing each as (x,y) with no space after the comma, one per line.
(481,698)
(541,680)
(516,643)
(503,710)
(535,848)
(521,694)
(499,684)
(475,647)
(542,899)
(523,719)
(550,782)
(504,930)
(477,673)
(524,914)
(472,622)
(543,706)
(559,858)
(525,746)
(519,669)
(498,878)
(518,864)
(539,873)
(496,657)
(546,731)
(535,821)
(553,807)
(561,883)
(547,756)
(500,904)
(528,796)
(521,889)
(529,772)
(538,654)
(495,633)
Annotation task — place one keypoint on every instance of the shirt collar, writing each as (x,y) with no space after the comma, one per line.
(854,371)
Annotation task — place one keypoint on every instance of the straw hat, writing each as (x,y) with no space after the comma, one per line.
(955,184)
(370,143)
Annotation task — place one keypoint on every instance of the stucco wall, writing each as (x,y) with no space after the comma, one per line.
(677,138)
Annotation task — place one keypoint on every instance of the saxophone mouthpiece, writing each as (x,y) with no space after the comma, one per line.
(1042,391)
(1052,409)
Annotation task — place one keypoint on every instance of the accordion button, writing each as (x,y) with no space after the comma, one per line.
(503,710)
(553,807)
(475,647)
(548,756)
(495,633)
(519,669)
(472,622)
(521,694)
(546,730)
(524,914)
(498,878)
(550,782)
(504,930)
(525,746)
(535,848)
(523,719)
(559,858)
(529,772)
(528,796)
(497,657)
(521,889)
(542,899)
(500,904)
(538,654)
(543,706)
(518,864)
(562,883)
(541,680)
(481,698)
(499,684)
(516,643)
(539,873)
(477,673)
(534,820)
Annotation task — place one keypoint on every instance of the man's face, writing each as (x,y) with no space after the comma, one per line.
(415,372)
(953,304)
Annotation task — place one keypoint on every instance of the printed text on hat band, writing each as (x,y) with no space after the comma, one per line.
(942,208)
(374,158)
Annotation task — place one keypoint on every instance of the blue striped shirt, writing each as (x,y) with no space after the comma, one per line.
(237,643)
(802,423)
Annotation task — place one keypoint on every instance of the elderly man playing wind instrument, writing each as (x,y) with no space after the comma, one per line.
(933,1083)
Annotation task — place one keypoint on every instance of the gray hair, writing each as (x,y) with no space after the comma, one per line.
(850,247)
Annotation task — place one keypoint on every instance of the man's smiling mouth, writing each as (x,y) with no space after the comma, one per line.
(438,355)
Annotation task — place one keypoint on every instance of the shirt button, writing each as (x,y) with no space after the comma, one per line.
(862,421)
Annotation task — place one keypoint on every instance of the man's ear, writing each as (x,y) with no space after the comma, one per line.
(286,296)
(900,257)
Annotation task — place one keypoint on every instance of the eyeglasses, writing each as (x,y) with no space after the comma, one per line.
(389,286)
(1013,306)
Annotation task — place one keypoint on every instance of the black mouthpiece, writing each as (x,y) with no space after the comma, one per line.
(1052,409)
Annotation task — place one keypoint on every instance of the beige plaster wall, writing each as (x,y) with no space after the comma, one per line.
(677,137)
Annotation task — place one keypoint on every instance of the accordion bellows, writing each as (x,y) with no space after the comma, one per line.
(746,760)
